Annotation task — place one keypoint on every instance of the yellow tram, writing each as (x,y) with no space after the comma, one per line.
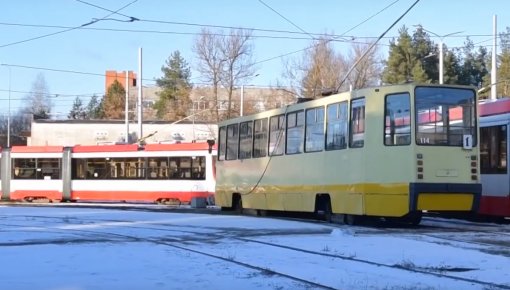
(389,151)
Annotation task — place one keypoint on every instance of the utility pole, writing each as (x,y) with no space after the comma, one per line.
(139,84)
(494,79)
(127,107)
(441,62)
(242,101)
(9,113)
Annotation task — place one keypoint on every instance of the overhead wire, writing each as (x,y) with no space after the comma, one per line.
(375,42)
(286,19)
(69,29)
(341,35)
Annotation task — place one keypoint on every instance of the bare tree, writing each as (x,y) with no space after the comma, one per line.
(368,70)
(318,69)
(322,69)
(210,61)
(237,51)
(224,60)
(38,101)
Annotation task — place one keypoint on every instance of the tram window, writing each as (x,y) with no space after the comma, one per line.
(187,167)
(24,168)
(444,115)
(97,168)
(198,167)
(232,141)
(295,132)
(276,135)
(48,168)
(36,168)
(157,168)
(314,140)
(357,132)
(78,170)
(222,143)
(260,138)
(245,139)
(493,150)
(336,128)
(397,126)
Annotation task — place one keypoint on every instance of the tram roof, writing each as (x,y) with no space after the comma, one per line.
(36,149)
(494,107)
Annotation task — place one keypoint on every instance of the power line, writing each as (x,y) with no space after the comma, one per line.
(48,94)
(168,32)
(286,19)
(66,30)
(335,37)
(131,18)
(312,46)
(368,50)
(63,71)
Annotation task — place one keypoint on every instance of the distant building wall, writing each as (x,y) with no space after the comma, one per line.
(74,132)
(112,76)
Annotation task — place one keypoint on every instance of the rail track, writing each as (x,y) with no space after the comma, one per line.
(192,239)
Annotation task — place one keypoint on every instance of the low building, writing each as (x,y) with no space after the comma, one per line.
(93,132)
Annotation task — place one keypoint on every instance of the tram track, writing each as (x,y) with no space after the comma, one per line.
(191,237)
(173,244)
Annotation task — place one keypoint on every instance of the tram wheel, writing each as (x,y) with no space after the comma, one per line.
(413,218)
(351,219)
(328,213)
(238,205)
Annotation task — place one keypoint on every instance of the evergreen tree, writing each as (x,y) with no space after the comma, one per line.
(94,108)
(417,59)
(77,112)
(401,60)
(426,57)
(114,101)
(504,65)
(451,67)
(473,65)
(174,101)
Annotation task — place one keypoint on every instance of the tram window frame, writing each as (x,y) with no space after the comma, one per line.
(394,112)
(157,168)
(260,137)
(295,127)
(436,109)
(337,126)
(357,123)
(315,137)
(245,140)
(276,135)
(222,143)
(198,167)
(493,149)
(232,142)
(34,168)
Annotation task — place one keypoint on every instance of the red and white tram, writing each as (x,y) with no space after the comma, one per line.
(165,173)
(494,152)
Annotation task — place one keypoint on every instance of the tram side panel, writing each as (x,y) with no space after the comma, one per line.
(165,175)
(36,173)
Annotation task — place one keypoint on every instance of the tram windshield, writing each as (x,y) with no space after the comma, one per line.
(445,116)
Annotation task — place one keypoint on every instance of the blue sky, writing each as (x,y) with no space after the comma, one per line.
(95,51)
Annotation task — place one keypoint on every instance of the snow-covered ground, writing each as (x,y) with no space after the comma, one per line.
(57,248)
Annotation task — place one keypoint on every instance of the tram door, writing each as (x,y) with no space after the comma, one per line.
(494,159)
